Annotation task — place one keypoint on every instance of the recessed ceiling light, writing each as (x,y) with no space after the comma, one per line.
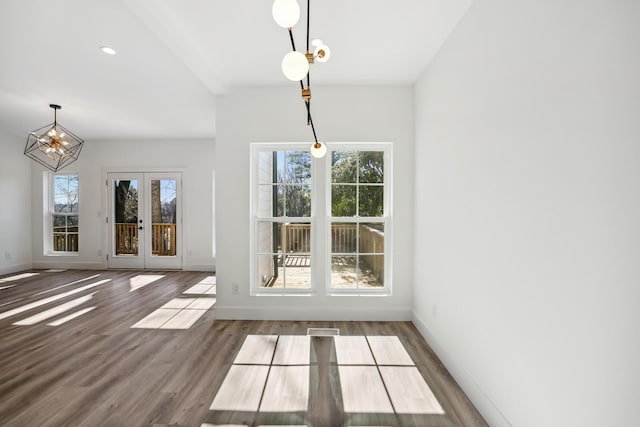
(108,50)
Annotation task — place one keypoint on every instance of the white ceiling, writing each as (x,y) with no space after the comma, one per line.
(175,56)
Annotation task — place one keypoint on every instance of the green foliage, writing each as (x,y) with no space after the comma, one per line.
(294,189)
(352,173)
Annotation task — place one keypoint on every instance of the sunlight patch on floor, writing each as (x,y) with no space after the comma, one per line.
(75,282)
(179,313)
(201,289)
(53,312)
(182,313)
(17,277)
(272,373)
(71,316)
(142,280)
(48,300)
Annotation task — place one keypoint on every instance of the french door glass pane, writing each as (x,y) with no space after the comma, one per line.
(126,216)
(163,216)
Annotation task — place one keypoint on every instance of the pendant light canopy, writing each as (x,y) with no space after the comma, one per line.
(295,65)
(52,145)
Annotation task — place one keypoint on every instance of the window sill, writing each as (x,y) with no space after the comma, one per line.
(72,254)
(282,294)
(356,293)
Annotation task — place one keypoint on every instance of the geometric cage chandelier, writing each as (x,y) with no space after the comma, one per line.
(52,145)
(295,65)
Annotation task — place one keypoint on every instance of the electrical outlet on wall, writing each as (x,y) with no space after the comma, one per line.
(235,289)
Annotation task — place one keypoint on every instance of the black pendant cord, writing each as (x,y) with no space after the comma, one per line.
(309,73)
(311,121)
(308,7)
(293,44)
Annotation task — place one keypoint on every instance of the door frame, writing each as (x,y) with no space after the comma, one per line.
(181,237)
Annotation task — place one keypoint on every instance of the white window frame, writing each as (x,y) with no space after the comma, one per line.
(321,220)
(255,288)
(49,202)
(386,219)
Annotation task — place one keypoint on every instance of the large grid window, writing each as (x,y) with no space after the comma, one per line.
(358,216)
(282,215)
(335,214)
(64,213)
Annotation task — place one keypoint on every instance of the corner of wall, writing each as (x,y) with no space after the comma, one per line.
(474,392)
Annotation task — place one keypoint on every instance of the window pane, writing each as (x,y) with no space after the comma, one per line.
(267,271)
(364,271)
(268,237)
(266,195)
(126,201)
(163,217)
(371,238)
(59,242)
(371,200)
(65,193)
(59,223)
(371,164)
(371,271)
(281,194)
(265,167)
(72,243)
(284,271)
(297,271)
(297,238)
(343,166)
(298,167)
(343,200)
(298,200)
(72,223)
(343,238)
(343,272)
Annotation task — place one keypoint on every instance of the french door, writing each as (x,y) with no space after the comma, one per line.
(145,220)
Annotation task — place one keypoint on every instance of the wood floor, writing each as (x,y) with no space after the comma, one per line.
(71,356)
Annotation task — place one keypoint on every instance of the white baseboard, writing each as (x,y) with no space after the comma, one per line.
(200,267)
(312,314)
(492,415)
(78,265)
(14,268)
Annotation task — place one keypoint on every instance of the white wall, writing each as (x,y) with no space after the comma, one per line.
(527,184)
(195,156)
(15,206)
(277,114)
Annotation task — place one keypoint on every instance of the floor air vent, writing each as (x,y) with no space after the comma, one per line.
(323,332)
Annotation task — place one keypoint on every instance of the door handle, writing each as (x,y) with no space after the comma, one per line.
(140,228)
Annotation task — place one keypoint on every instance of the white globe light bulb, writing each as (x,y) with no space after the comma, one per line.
(322,53)
(318,150)
(295,66)
(286,12)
